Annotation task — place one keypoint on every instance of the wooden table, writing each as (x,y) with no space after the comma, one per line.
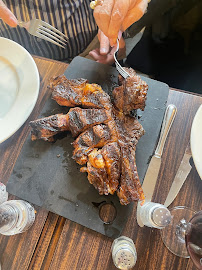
(54,242)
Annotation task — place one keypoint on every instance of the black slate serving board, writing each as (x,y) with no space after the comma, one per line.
(46,175)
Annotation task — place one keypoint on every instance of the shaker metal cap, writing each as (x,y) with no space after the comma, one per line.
(124,259)
(124,253)
(161,216)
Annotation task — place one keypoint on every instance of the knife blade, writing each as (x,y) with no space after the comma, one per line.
(180,177)
(155,163)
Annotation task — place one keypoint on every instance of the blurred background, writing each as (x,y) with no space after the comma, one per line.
(166,43)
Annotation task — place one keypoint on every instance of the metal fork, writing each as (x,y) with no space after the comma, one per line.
(119,68)
(45,31)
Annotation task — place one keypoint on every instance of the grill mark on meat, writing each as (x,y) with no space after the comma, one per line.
(129,130)
(111,155)
(97,100)
(66,96)
(67,93)
(49,126)
(95,137)
(76,120)
(81,119)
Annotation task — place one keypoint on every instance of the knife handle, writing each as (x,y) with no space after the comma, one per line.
(169,116)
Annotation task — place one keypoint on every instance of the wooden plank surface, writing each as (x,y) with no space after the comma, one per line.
(17,251)
(56,243)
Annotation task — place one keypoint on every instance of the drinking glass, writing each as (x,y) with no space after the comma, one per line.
(183,236)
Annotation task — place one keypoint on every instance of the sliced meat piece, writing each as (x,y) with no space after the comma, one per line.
(130,188)
(81,119)
(97,174)
(67,92)
(129,130)
(95,137)
(103,168)
(78,92)
(112,157)
(62,80)
(95,97)
(131,94)
(130,71)
(47,127)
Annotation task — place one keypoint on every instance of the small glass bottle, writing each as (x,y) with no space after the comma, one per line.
(16,216)
(3,193)
(155,215)
(124,253)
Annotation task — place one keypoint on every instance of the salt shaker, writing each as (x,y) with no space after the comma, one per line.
(124,253)
(155,215)
(3,193)
(16,216)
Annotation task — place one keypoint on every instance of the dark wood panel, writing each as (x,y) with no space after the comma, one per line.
(48,242)
(79,248)
(16,251)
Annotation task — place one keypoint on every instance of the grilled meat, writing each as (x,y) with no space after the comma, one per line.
(129,130)
(47,127)
(76,120)
(81,119)
(112,157)
(130,188)
(108,134)
(73,93)
(131,94)
(97,136)
(67,92)
(103,168)
(97,174)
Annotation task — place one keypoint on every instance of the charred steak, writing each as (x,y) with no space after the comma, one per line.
(106,134)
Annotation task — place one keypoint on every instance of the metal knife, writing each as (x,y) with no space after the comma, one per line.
(155,163)
(182,173)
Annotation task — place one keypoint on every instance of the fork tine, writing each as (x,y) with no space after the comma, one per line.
(45,24)
(50,36)
(49,39)
(119,68)
(121,72)
(52,33)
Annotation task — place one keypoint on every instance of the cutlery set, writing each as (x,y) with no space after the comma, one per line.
(155,163)
(153,171)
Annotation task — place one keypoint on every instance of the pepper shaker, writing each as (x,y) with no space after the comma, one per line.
(3,193)
(155,215)
(16,216)
(124,253)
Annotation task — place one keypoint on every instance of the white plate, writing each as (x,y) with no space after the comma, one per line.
(196,141)
(19,87)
